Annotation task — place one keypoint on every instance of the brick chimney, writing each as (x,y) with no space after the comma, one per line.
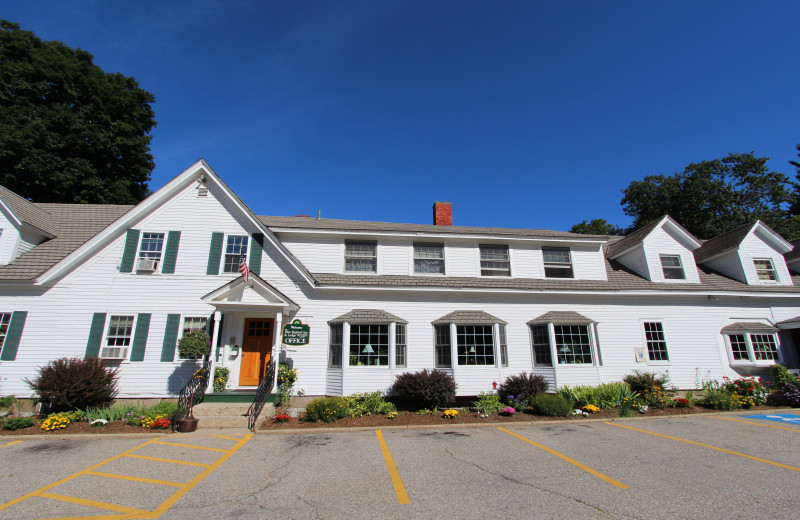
(443,213)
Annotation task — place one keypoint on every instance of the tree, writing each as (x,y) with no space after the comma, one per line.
(597,226)
(710,198)
(70,132)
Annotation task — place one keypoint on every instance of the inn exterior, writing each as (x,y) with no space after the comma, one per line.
(123,283)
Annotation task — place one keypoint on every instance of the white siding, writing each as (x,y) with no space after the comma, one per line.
(660,242)
(728,264)
(461,259)
(527,261)
(320,254)
(588,262)
(753,247)
(636,261)
(9,239)
(393,256)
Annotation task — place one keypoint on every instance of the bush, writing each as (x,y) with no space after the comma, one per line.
(327,409)
(368,404)
(550,405)
(604,396)
(75,383)
(488,403)
(522,387)
(194,343)
(425,389)
(221,379)
(747,387)
(639,381)
(781,376)
(17,423)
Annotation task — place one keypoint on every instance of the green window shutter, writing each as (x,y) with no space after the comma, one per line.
(13,335)
(140,337)
(95,335)
(129,254)
(171,252)
(215,253)
(255,253)
(170,337)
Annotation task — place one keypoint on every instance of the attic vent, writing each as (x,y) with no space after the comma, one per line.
(202,191)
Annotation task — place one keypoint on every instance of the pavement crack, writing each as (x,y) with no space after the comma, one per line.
(312,506)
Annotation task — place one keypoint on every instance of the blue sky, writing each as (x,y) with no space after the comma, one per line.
(522,114)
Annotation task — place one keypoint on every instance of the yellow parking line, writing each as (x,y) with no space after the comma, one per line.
(171,461)
(397,482)
(9,444)
(189,446)
(567,459)
(135,479)
(93,503)
(754,423)
(708,446)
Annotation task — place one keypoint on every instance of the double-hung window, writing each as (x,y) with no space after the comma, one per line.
(360,256)
(753,348)
(672,267)
(656,343)
(400,345)
(118,337)
(335,347)
(150,248)
(765,270)
(428,258)
(495,260)
(5,321)
(442,346)
(563,337)
(557,262)
(540,337)
(235,247)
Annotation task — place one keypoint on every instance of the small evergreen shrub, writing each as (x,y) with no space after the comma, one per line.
(488,403)
(522,387)
(194,343)
(75,383)
(368,404)
(425,389)
(327,409)
(550,405)
(639,381)
(17,423)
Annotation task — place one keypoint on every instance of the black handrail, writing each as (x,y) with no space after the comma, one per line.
(264,390)
(192,392)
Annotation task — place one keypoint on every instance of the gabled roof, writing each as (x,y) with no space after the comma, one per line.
(469,317)
(791,323)
(368,316)
(562,318)
(749,326)
(794,254)
(28,212)
(621,246)
(733,239)
(255,293)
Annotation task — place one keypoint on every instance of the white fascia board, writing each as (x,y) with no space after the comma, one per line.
(13,217)
(677,229)
(778,242)
(638,245)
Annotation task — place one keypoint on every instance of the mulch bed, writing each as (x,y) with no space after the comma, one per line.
(80,427)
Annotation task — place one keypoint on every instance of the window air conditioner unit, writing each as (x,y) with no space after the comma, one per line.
(114,353)
(147,265)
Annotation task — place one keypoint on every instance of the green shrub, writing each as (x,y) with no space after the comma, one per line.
(522,387)
(117,412)
(75,383)
(8,401)
(194,343)
(17,423)
(368,404)
(327,409)
(550,405)
(425,389)
(221,376)
(164,408)
(781,376)
(640,382)
(604,396)
(488,403)
(720,400)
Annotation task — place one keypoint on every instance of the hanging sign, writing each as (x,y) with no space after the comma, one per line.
(295,333)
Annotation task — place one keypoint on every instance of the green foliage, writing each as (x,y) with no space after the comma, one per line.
(368,404)
(522,387)
(749,389)
(194,343)
(604,396)
(628,405)
(326,409)
(17,423)
(8,401)
(221,376)
(550,405)
(75,383)
(488,402)
(286,379)
(597,226)
(719,399)
(164,408)
(425,389)
(117,412)
(70,132)
(639,381)
(781,375)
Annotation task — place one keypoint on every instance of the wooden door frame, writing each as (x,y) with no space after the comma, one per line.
(267,353)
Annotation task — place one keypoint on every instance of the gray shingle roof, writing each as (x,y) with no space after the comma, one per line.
(30,213)
(794,254)
(631,240)
(729,240)
(469,317)
(562,318)
(368,316)
(74,224)
(790,321)
(749,326)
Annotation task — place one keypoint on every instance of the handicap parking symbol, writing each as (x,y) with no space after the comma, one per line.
(783,417)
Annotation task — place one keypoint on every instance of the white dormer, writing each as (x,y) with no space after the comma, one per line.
(23,225)
(752,254)
(660,252)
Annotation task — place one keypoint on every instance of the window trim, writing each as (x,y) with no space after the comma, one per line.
(7,323)
(161,251)
(771,269)
(558,265)
(344,265)
(335,348)
(453,334)
(591,333)
(660,323)
(414,259)
(126,348)
(225,252)
(752,358)
(494,269)
(664,268)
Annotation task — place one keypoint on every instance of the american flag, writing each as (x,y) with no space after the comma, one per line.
(243,269)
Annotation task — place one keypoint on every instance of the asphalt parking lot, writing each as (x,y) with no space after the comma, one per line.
(701,466)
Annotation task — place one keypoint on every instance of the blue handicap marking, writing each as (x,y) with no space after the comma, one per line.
(780,417)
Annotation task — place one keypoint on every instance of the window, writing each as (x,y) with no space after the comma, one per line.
(5,320)
(557,262)
(429,258)
(541,346)
(151,246)
(360,257)
(765,270)
(475,345)
(400,345)
(572,344)
(656,344)
(494,261)
(751,348)
(118,338)
(234,249)
(335,348)
(194,323)
(369,345)
(671,267)
(442,346)
(503,347)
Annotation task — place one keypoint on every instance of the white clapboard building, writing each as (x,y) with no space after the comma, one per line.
(123,283)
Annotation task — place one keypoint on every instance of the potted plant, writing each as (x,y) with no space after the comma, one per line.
(194,343)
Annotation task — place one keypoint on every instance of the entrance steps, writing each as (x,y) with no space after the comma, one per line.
(228,409)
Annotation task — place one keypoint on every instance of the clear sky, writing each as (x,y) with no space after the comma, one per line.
(522,114)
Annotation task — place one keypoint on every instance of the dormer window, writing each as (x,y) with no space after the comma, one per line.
(360,257)
(765,270)
(557,262)
(495,261)
(672,268)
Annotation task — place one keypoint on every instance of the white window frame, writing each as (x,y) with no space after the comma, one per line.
(414,258)
(558,266)
(594,347)
(752,360)
(499,354)
(647,341)
(126,340)
(151,254)
(186,329)
(335,348)
(769,270)
(502,272)
(5,322)
(374,257)
(664,268)
(400,345)
(445,347)
(238,256)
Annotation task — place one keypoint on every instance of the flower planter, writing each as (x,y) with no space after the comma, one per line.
(187,425)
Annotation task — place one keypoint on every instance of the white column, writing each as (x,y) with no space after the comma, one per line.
(392,345)
(276,343)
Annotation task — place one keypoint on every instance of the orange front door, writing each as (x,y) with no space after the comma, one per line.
(256,350)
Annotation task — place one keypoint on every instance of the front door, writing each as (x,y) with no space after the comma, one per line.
(256,350)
